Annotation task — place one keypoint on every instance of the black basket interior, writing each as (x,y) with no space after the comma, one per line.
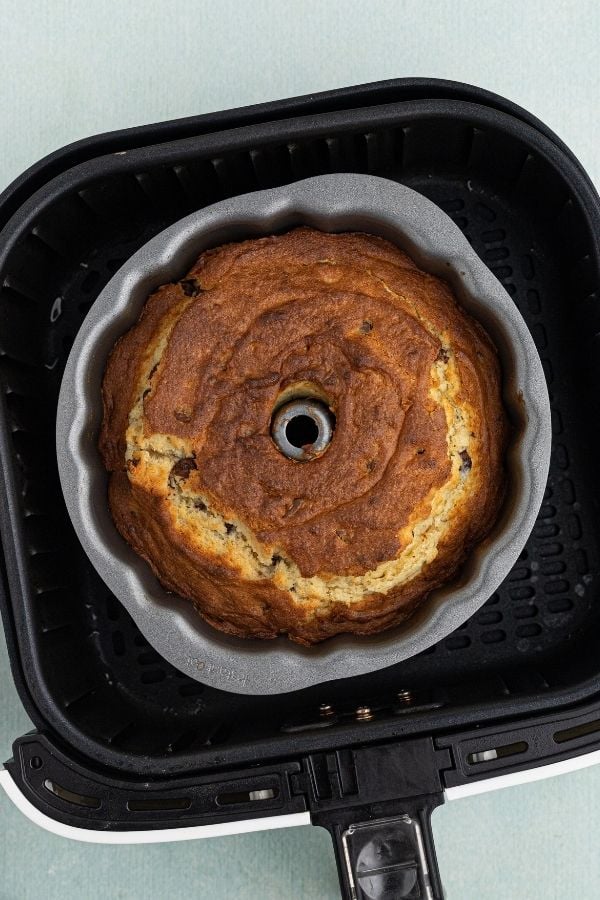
(90,673)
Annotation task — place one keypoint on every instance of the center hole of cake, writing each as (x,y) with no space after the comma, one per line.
(302,431)
(302,428)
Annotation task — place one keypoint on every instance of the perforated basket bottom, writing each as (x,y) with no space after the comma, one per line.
(96,673)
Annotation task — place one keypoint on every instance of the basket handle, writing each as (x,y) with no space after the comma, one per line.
(388,858)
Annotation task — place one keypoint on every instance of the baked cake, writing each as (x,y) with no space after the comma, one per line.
(351,539)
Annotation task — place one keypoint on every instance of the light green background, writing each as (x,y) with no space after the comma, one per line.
(71,69)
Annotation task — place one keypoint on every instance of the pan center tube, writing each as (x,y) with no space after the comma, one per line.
(302,429)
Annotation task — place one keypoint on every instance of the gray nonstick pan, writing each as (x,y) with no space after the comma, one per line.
(341,202)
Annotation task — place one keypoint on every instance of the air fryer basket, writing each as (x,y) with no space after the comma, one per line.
(521,203)
(526,666)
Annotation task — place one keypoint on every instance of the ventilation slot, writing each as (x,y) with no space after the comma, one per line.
(191,689)
(70,796)
(307,159)
(153,676)
(183,742)
(381,150)
(219,735)
(90,282)
(272,166)
(489,617)
(569,734)
(236,797)
(458,642)
(525,612)
(113,608)
(493,637)
(148,657)
(199,183)
(528,631)
(162,189)
(118,642)
(560,606)
(346,153)
(482,756)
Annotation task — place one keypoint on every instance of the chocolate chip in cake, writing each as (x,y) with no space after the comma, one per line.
(190,287)
(296,504)
(366,327)
(443,355)
(371,465)
(466,463)
(182,416)
(183,467)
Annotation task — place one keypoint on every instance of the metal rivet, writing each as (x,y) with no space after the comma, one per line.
(364,714)
(326,710)
(405,696)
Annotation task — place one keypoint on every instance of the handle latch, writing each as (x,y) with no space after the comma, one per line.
(386,859)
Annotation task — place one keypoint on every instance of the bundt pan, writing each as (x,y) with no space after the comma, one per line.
(341,202)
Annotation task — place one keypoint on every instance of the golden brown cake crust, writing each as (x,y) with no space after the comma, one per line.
(351,541)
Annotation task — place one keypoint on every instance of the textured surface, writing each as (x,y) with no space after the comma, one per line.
(538,842)
(354,538)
